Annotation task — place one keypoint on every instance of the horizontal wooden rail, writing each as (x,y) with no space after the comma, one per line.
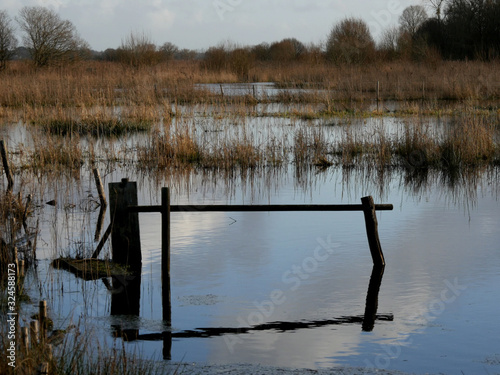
(259,208)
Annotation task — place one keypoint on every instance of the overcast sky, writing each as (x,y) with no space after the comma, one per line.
(199,24)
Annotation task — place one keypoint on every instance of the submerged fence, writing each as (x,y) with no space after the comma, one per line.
(125,236)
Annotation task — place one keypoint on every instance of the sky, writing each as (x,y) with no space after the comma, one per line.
(199,24)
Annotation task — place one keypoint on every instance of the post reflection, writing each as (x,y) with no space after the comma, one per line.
(371,305)
(126,301)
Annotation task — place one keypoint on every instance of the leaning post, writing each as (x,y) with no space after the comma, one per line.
(372,231)
(125,235)
(165,254)
(5,162)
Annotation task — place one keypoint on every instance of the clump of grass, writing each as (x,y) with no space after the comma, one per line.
(350,148)
(171,149)
(56,153)
(310,147)
(235,153)
(181,149)
(97,121)
(417,147)
(470,141)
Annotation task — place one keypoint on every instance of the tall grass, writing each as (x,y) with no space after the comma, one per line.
(472,140)
(107,84)
(79,353)
(467,141)
(180,148)
(96,121)
(55,153)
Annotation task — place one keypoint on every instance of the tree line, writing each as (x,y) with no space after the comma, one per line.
(456,29)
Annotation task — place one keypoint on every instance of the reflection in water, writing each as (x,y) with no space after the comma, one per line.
(125,300)
(123,303)
(372,298)
(427,200)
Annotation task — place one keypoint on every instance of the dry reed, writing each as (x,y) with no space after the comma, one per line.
(94,83)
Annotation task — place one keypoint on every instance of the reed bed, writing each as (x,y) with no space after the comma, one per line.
(72,351)
(95,121)
(56,153)
(467,141)
(12,212)
(93,83)
(193,142)
(177,149)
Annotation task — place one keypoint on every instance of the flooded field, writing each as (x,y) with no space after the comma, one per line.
(288,289)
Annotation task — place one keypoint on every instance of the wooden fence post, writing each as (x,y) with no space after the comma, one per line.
(165,253)
(25,340)
(42,319)
(100,188)
(104,204)
(372,231)
(34,333)
(125,236)
(5,161)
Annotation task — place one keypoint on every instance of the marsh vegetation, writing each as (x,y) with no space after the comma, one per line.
(237,123)
(170,124)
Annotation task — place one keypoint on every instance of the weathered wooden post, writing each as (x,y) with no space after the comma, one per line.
(126,247)
(5,161)
(42,319)
(165,254)
(100,188)
(125,237)
(34,333)
(102,200)
(25,340)
(372,231)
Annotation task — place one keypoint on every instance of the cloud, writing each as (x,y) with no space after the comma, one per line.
(197,24)
(161,19)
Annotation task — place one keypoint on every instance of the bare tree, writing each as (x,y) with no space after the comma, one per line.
(389,42)
(437,6)
(412,18)
(350,41)
(8,41)
(138,50)
(169,50)
(49,38)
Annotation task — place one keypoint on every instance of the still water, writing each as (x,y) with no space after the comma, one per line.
(288,289)
(306,273)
